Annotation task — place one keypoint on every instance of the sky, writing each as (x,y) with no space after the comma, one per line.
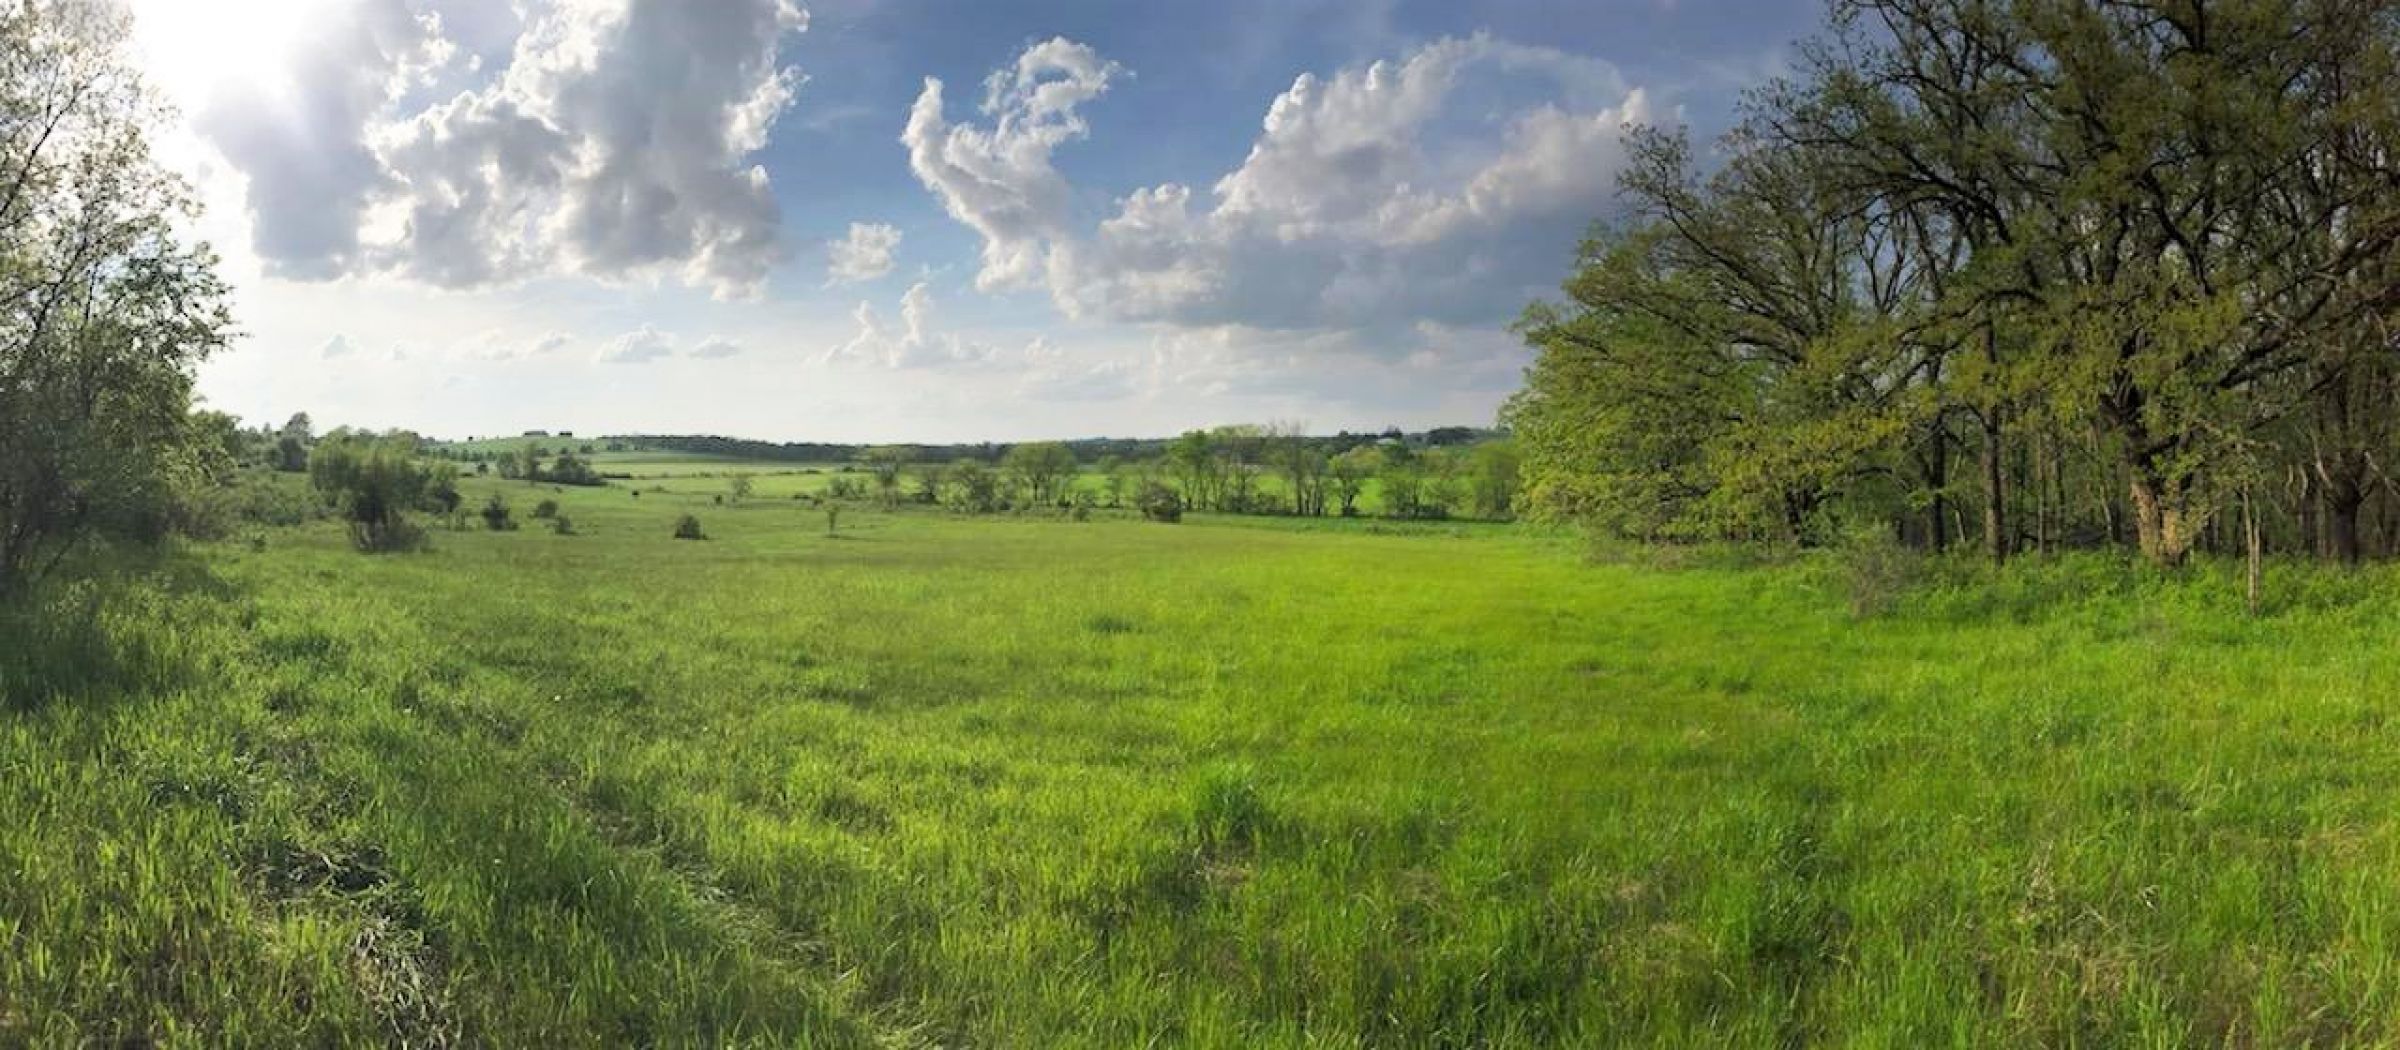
(932,221)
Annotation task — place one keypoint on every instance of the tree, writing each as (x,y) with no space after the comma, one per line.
(1112,479)
(739,485)
(1044,468)
(1349,473)
(1491,477)
(106,310)
(374,484)
(1302,465)
(2135,257)
(885,463)
(973,487)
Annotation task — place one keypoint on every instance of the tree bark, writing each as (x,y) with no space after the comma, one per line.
(2344,497)
(2161,519)
(1995,490)
(1937,478)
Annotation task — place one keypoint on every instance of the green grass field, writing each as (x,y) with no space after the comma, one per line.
(1024,782)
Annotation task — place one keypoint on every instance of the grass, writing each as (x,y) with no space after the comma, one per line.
(1024,782)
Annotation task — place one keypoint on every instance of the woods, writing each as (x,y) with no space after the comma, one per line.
(2047,274)
(103,309)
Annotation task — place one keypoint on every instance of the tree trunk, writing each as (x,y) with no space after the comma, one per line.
(2256,552)
(1937,478)
(1995,491)
(2344,497)
(2161,519)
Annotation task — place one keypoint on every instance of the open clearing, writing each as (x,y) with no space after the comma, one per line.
(1034,783)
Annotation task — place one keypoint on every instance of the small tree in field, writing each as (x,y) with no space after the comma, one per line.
(740,485)
(496,515)
(1044,468)
(373,485)
(1161,504)
(687,527)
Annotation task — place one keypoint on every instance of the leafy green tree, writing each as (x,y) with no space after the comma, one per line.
(1491,477)
(104,311)
(885,464)
(1348,473)
(973,486)
(1044,468)
(374,484)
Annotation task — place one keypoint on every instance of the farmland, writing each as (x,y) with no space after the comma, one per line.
(943,780)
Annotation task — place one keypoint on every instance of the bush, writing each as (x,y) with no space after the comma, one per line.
(546,509)
(687,527)
(496,515)
(562,525)
(373,484)
(1160,503)
(1877,571)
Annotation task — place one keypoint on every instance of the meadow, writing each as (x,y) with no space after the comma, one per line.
(1024,781)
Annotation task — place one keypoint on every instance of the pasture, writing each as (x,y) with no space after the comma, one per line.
(935,780)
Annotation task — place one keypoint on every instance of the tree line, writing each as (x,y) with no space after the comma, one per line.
(2039,273)
(1237,469)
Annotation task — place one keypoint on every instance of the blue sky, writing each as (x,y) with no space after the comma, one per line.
(881,220)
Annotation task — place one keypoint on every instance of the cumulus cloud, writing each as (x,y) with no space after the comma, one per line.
(714,347)
(1416,189)
(641,345)
(498,345)
(913,343)
(998,179)
(647,344)
(302,141)
(615,143)
(864,255)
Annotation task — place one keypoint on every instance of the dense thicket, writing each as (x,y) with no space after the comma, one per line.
(2043,271)
(103,310)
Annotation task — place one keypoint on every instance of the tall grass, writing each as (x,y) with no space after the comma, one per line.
(1040,783)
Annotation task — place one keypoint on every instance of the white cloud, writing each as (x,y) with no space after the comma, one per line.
(647,343)
(615,143)
(999,180)
(502,345)
(338,346)
(1420,189)
(865,254)
(714,347)
(641,345)
(915,343)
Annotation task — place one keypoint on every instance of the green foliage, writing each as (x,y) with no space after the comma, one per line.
(1042,469)
(2128,259)
(545,509)
(497,517)
(973,487)
(374,484)
(1161,503)
(104,311)
(687,527)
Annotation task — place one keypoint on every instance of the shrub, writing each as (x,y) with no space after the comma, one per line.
(562,525)
(687,527)
(496,515)
(546,509)
(1160,503)
(373,484)
(1877,571)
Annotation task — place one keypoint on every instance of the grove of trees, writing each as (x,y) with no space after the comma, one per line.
(2043,273)
(104,309)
